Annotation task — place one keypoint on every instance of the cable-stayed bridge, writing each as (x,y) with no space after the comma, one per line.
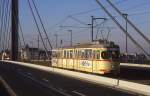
(29,71)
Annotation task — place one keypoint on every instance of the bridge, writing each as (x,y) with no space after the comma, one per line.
(27,71)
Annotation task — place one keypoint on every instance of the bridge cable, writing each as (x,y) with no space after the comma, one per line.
(37,27)
(7,13)
(2,21)
(123,30)
(137,30)
(42,23)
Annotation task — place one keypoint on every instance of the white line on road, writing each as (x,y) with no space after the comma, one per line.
(46,80)
(78,93)
(44,84)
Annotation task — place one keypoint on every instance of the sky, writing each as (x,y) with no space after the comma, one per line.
(58,14)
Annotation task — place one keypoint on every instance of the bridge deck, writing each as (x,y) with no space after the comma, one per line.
(125,85)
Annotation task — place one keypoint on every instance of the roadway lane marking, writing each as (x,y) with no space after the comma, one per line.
(44,84)
(46,80)
(78,93)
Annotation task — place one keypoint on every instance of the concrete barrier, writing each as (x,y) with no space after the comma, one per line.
(135,65)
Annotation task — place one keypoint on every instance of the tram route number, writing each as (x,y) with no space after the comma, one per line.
(86,64)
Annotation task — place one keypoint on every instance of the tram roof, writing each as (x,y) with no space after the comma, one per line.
(95,44)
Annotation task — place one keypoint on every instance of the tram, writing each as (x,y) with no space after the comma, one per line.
(100,57)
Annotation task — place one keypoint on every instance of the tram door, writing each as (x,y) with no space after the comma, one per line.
(76,60)
(96,61)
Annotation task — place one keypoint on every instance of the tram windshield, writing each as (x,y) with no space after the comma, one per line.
(110,55)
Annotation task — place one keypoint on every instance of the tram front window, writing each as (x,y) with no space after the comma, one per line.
(110,55)
(105,55)
(115,54)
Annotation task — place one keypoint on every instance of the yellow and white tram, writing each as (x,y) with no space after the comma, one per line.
(97,57)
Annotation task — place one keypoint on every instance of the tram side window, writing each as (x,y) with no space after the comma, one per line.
(94,55)
(88,53)
(76,54)
(79,54)
(71,54)
(68,54)
(82,54)
(65,55)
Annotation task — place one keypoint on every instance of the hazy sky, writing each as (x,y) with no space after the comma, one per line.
(55,13)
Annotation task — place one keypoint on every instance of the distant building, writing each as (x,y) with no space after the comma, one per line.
(28,53)
(5,55)
(133,58)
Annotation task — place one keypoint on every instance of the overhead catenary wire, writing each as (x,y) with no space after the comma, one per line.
(137,30)
(21,33)
(95,9)
(8,32)
(7,13)
(80,13)
(42,24)
(84,12)
(137,6)
(40,34)
(123,30)
(2,21)
(5,16)
(77,20)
